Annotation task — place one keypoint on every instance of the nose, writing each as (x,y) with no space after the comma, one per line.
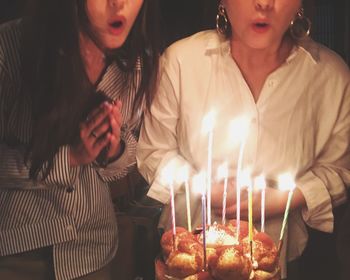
(264,4)
(117,4)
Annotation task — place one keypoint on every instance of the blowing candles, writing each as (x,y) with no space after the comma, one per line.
(239,131)
(208,127)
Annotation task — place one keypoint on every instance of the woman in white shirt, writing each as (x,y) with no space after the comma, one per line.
(296,93)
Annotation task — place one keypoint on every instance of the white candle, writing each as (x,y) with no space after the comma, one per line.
(260,184)
(223,174)
(239,131)
(182,177)
(199,185)
(247,182)
(208,127)
(167,177)
(286,182)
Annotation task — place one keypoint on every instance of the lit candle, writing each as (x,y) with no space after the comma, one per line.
(223,175)
(286,182)
(182,177)
(247,182)
(260,184)
(167,177)
(199,184)
(208,127)
(239,131)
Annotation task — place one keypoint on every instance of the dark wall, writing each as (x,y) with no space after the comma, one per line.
(181,18)
(10,9)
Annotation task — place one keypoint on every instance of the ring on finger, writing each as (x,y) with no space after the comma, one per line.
(94,134)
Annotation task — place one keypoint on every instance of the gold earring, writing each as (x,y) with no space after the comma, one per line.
(221,20)
(300,26)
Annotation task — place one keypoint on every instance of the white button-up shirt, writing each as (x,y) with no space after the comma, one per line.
(300,124)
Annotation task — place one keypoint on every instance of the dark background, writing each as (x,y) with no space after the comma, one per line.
(180,18)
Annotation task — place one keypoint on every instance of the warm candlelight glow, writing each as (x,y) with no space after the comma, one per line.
(223,175)
(260,184)
(239,129)
(208,127)
(286,183)
(182,177)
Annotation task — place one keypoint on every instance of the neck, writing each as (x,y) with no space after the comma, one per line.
(257,64)
(267,58)
(93,58)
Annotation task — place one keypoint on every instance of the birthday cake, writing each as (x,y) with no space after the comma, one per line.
(226,257)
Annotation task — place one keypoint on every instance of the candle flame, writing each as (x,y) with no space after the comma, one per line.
(260,182)
(286,182)
(182,174)
(208,122)
(239,128)
(199,183)
(245,179)
(223,171)
(167,174)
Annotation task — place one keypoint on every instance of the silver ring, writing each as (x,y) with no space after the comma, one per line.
(93,134)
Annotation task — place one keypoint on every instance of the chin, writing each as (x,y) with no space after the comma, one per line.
(114,42)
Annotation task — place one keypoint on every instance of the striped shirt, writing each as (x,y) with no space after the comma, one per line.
(71,209)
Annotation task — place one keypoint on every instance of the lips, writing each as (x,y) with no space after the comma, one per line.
(260,26)
(116,25)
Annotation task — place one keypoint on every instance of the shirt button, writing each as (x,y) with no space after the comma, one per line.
(69,228)
(69,190)
(271,83)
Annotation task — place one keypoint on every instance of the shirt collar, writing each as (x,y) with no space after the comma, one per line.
(310,48)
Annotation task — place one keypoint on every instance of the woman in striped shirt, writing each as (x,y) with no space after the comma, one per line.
(74,79)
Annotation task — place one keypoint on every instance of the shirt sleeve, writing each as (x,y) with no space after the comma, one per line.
(158,145)
(324,185)
(121,166)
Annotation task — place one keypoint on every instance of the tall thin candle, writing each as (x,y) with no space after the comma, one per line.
(260,183)
(286,182)
(167,178)
(239,130)
(208,127)
(182,176)
(223,174)
(199,185)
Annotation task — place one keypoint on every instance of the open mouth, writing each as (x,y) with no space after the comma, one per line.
(116,24)
(261,24)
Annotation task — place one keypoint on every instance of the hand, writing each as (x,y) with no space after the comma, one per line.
(217,191)
(275,203)
(94,136)
(115,120)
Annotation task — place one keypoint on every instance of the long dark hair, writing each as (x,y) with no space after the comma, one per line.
(55,78)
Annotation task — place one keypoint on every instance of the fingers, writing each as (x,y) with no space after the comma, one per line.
(115,124)
(95,121)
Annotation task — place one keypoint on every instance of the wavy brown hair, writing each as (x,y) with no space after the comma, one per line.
(54,75)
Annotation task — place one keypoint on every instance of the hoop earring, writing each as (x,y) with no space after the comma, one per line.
(221,20)
(300,27)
